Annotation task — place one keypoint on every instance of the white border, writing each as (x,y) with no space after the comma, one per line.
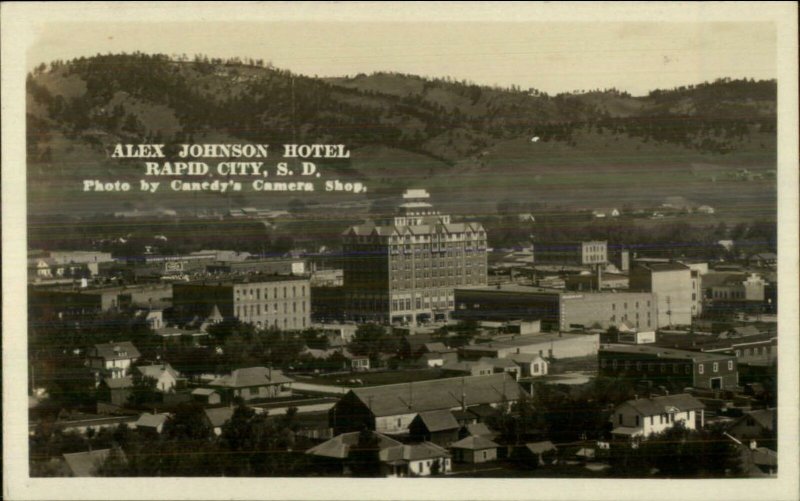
(21,23)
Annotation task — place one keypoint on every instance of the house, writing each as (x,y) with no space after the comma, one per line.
(502,365)
(531,365)
(474,449)
(391,408)
(396,459)
(85,464)
(112,360)
(439,427)
(165,376)
(253,383)
(415,460)
(602,213)
(116,391)
(430,360)
(476,430)
(763,259)
(217,417)
(152,423)
(759,426)
(641,417)
(359,364)
(467,369)
(706,209)
(206,396)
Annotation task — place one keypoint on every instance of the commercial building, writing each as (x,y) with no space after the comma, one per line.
(552,345)
(75,302)
(265,301)
(671,283)
(666,365)
(573,253)
(404,269)
(557,310)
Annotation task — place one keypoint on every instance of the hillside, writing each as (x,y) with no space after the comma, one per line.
(471,144)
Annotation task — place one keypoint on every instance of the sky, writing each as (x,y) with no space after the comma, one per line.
(550,56)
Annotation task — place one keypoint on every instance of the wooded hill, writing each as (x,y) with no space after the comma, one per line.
(462,139)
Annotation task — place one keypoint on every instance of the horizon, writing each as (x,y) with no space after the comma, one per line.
(552,57)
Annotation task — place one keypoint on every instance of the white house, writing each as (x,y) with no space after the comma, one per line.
(532,365)
(112,360)
(152,422)
(641,417)
(166,377)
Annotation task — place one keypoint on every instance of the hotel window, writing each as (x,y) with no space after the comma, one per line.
(700,368)
(638,366)
(258,293)
(715,367)
(730,365)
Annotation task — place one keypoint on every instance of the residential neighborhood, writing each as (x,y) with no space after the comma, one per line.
(434,363)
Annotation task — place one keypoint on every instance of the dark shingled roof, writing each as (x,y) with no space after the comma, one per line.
(117,351)
(412,452)
(659,405)
(438,394)
(540,447)
(438,420)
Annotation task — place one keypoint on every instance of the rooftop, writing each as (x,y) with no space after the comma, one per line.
(339,446)
(251,376)
(438,394)
(670,403)
(438,420)
(474,443)
(668,353)
(117,351)
(252,278)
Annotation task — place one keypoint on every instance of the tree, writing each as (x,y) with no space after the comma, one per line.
(364,458)
(143,391)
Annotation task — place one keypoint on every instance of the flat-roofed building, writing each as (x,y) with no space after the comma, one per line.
(265,301)
(557,310)
(672,284)
(575,253)
(667,365)
(404,269)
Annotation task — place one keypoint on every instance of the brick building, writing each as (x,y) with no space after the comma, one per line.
(262,300)
(671,282)
(404,269)
(557,310)
(666,365)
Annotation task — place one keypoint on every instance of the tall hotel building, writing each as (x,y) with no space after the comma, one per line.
(404,269)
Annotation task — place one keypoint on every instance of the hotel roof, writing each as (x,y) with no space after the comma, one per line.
(666,353)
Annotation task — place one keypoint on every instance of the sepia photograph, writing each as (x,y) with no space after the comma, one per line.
(523,250)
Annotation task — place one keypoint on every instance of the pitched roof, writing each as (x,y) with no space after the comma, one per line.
(525,358)
(151,420)
(436,394)
(117,351)
(474,443)
(156,370)
(84,464)
(479,430)
(436,347)
(438,420)
(251,376)
(339,446)
(203,391)
(764,417)
(412,452)
(218,416)
(540,447)
(501,363)
(659,405)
